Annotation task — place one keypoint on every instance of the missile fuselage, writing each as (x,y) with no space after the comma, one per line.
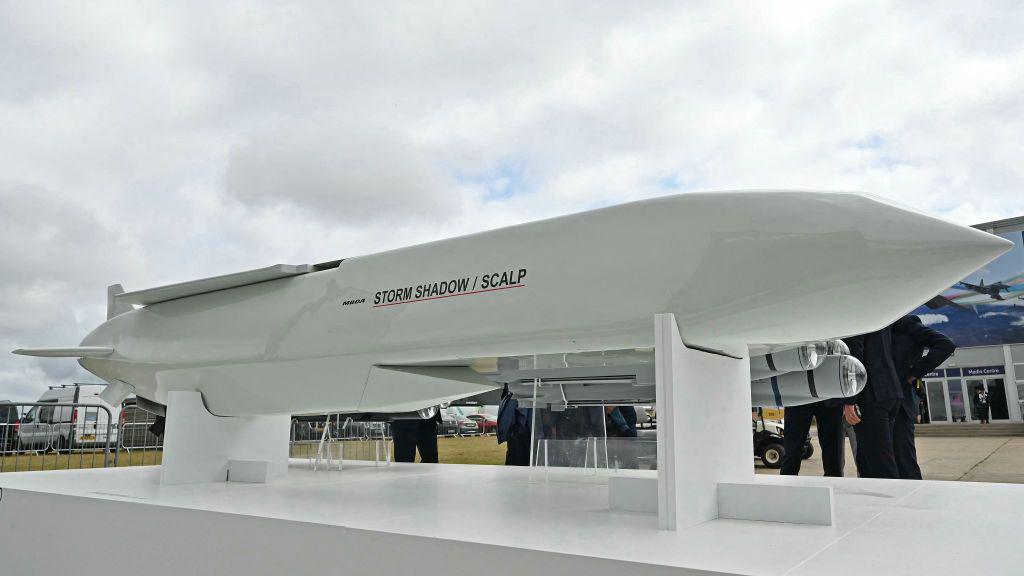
(741,271)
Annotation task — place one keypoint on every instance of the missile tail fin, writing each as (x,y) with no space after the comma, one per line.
(71,352)
(115,306)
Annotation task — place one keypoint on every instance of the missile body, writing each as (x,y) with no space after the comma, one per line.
(744,272)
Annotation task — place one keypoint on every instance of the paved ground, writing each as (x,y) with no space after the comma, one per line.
(994,459)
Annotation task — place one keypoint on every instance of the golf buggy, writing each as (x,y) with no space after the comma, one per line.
(768,436)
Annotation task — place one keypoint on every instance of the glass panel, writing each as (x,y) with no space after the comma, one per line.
(956,400)
(936,401)
(997,399)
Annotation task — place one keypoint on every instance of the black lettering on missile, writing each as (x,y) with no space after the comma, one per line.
(464,286)
(351,302)
(394,295)
(500,279)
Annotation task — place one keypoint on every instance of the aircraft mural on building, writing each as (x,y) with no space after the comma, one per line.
(987,307)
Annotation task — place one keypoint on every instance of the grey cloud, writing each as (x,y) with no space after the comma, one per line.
(349,173)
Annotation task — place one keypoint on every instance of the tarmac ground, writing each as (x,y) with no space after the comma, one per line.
(971,459)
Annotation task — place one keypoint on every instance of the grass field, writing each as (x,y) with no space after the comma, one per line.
(76,460)
(467,450)
(470,450)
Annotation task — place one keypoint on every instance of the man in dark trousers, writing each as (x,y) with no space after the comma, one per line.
(910,339)
(829,415)
(873,411)
(408,435)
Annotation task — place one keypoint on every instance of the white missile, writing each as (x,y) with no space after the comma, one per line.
(837,377)
(743,272)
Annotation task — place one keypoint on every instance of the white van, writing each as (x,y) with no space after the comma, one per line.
(66,427)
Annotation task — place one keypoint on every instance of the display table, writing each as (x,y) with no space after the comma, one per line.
(446,519)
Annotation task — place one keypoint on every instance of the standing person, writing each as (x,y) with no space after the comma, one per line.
(873,411)
(910,339)
(981,405)
(829,416)
(621,421)
(514,426)
(409,435)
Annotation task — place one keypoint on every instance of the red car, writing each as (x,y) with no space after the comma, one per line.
(487,424)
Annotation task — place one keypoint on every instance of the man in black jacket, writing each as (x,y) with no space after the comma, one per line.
(873,411)
(910,339)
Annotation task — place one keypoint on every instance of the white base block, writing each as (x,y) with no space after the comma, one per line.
(777,503)
(422,518)
(633,494)
(198,445)
(251,471)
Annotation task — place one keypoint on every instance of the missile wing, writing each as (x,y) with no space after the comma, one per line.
(73,352)
(743,272)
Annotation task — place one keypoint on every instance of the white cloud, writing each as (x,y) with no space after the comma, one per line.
(932,319)
(149,143)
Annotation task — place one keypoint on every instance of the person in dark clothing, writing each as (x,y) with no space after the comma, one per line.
(873,411)
(410,435)
(514,425)
(621,421)
(981,405)
(829,416)
(910,339)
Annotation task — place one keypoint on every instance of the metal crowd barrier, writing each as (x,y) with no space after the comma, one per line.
(329,441)
(138,445)
(53,436)
(56,436)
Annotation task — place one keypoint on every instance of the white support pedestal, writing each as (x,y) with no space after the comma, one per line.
(705,464)
(199,445)
(703,404)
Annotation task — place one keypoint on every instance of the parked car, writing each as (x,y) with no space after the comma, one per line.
(455,424)
(487,423)
(8,426)
(66,427)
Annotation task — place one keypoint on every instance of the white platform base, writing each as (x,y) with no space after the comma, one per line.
(401,518)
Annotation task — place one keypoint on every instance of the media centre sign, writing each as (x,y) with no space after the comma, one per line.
(968,371)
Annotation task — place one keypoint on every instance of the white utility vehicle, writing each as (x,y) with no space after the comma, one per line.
(66,427)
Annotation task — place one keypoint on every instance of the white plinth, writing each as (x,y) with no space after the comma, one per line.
(198,445)
(401,518)
(777,503)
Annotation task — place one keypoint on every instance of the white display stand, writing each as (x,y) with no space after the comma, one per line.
(705,467)
(198,446)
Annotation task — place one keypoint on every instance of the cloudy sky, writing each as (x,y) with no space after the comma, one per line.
(150,143)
